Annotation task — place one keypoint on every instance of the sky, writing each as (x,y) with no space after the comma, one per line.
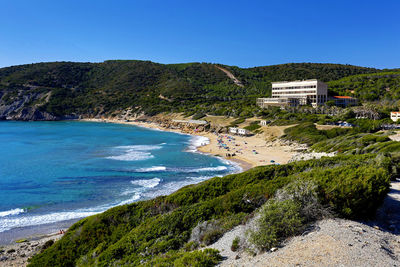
(242,33)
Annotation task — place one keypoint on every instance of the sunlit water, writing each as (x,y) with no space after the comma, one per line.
(58,171)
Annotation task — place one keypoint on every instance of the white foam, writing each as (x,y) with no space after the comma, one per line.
(141,147)
(196,141)
(152,169)
(171,187)
(131,155)
(7,223)
(205,169)
(23,221)
(147,183)
(11,212)
(234,165)
(210,169)
(134,198)
(134,152)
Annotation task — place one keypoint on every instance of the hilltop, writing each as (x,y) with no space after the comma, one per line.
(62,90)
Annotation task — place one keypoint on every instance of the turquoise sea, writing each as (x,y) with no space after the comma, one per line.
(59,171)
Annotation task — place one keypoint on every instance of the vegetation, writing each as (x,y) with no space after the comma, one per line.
(357,140)
(111,87)
(235,244)
(369,87)
(149,232)
(279,219)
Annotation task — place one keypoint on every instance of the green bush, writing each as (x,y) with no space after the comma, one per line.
(252,127)
(235,244)
(278,220)
(205,258)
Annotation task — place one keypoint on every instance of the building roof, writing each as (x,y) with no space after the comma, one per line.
(395,112)
(343,97)
(310,80)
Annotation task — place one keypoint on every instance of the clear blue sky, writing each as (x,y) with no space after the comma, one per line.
(243,33)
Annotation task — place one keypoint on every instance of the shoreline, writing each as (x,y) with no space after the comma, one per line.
(245,158)
(248,151)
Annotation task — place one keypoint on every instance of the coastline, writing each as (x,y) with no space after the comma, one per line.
(248,151)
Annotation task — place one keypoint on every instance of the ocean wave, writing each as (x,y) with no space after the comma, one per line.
(196,141)
(211,169)
(11,212)
(141,147)
(147,183)
(134,152)
(197,170)
(134,198)
(171,187)
(132,155)
(151,169)
(8,223)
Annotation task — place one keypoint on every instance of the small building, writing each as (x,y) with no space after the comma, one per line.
(344,101)
(195,122)
(241,131)
(277,102)
(263,123)
(233,130)
(395,115)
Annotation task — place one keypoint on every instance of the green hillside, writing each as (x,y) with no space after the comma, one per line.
(157,232)
(90,89)
(369,87)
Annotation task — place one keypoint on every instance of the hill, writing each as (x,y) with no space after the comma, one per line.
(163,231)
(369,87)
(58,90)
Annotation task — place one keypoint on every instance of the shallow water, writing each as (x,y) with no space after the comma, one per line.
(57,171)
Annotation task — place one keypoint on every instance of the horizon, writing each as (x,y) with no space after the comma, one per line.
(216,63)
(234,33)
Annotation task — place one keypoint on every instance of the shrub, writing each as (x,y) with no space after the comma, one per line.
(207,257)
(252,127)
(235,244)
(278,220)
(198,116)
(191,246)
(47,244)
(304,192)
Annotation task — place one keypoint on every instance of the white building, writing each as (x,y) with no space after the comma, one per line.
(243,132)
(294,93)
(395,115)
(239,131)
(233,130)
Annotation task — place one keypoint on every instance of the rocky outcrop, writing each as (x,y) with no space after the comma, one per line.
(26,107)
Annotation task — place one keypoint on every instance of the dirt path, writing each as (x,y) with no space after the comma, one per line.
(388,216)
(231,76)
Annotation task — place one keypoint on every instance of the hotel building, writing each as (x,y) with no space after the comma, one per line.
(295,93)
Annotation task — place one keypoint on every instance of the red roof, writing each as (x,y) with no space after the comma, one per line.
(339,96)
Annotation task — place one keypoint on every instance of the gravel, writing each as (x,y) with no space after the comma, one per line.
(330,242)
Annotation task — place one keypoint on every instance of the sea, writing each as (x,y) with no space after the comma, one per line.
(54,173)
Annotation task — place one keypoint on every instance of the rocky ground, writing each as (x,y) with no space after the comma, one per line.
(330,242)
(17,254)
